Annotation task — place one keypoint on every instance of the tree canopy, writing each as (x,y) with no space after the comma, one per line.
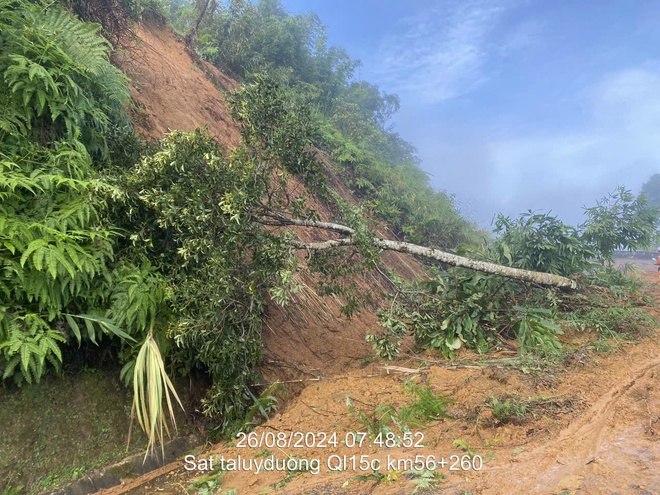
(651,188)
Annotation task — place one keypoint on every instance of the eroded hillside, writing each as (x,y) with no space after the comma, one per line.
(309,337)
(590,427)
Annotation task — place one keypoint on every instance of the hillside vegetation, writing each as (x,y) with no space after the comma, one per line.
(166,254)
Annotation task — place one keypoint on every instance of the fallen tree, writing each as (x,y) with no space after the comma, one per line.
(541,278)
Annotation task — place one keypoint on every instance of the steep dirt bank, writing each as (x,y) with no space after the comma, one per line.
(309,338)
(595,430)
(170,92)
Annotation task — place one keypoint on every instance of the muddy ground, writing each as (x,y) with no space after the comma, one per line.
(592,427)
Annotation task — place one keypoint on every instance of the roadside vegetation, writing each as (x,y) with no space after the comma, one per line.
(164,255)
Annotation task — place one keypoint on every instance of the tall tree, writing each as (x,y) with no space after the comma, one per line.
(202,7)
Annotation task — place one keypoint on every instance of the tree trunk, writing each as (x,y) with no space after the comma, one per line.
(192,34)
(545,279)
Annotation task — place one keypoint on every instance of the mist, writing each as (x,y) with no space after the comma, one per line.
(515,105)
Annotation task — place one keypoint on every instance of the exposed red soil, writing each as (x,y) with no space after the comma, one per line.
(170,91)
(596,434)
(309,337)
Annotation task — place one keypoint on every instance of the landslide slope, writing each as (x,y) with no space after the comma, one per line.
(309,338)
(595,429)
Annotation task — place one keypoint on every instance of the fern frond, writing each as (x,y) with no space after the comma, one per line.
(79,41)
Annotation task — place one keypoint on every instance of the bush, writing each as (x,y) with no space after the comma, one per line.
(541,242)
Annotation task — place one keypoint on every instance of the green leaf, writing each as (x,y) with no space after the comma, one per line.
(91,332)
(26,359)
(33,246)
(74,328)
(106,324)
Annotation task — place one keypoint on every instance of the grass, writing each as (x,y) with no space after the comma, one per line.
(508,410)
(422,407)
(56,430)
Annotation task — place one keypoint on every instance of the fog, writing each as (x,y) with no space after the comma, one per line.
(515,105)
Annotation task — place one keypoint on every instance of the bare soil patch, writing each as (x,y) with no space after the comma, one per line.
(592,427)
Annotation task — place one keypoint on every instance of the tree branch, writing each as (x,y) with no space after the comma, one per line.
(282,221)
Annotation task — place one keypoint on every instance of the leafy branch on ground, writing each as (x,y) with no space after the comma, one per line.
(422,407)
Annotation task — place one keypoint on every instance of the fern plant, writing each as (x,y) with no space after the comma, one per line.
(58,81)
(55,253)
(60,281)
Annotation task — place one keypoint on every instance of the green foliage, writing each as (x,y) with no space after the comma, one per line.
(276,132)
(208,485)
(541,242)
(612,305)
(508,410)
(118,17)
(422,407)
(62,282)
(55,252)
(458,307)
(454,308)
(465,446)
(196,210)
(621,221)
(377,477)
(183,250)
(611,321)
(28,341)
(375,423)
(244,38)
(263,406)
(424,479)
(536,330)
(59,83)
